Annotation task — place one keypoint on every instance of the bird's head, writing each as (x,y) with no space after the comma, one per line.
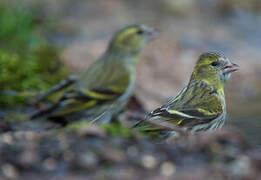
(131,39)
(214,69)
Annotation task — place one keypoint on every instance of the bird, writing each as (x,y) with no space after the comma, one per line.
(198,107)
(103,90)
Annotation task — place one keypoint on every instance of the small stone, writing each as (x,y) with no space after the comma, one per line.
(7,138)
(132,151)
(149,161)
(240,166)
(28,157)
(88,160)
(167,169)
(9,171)
(50,164)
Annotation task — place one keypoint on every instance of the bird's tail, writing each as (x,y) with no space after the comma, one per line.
(147,117)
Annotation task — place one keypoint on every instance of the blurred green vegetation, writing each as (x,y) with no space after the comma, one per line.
(116,129)
(28,62)
(112,129)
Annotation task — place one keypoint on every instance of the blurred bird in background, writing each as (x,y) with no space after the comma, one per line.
(103,90)
(200,106)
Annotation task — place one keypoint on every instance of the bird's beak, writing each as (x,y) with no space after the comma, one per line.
(229,68)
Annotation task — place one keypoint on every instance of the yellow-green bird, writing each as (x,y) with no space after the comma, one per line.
(103,90)
(200,106)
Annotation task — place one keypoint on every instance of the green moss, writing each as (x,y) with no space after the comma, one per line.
(115,129)
(15,117)
(28,63)
(18,28)
(112,129)
(75,126)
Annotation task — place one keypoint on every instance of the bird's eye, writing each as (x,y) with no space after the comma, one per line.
(215,63)
(140,32)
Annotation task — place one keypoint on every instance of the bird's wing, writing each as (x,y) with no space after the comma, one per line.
(55,91)
(197,104)
(81,98)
